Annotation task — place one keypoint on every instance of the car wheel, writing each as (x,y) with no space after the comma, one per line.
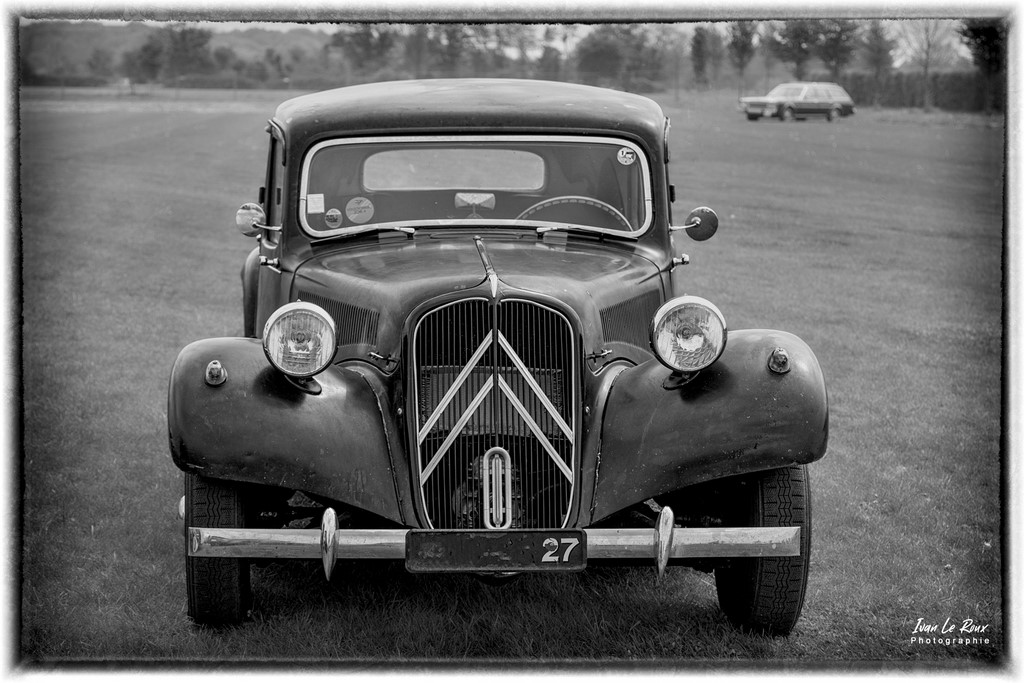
(218,588)
(833,114)
(766,594)
(753,117)
(786,114)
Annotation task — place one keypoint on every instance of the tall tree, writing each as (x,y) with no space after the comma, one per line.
(451,47)
(523,37)
(224,57)
(795,42)
(644,57)
(769,46)
(599,57)
(296,55)
(877,48)
(101,63)
(549,64)
(417,50)
(366,47)
(928,44)
(716,53)
(186,51)
(671,41)
(60,66)
(835,45)
(986,39)
(144,64)
(566,35)
(699,55)
(275,62)
(626,55)
(741,47)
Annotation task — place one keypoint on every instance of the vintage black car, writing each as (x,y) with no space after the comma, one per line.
(791,101)
(468,348)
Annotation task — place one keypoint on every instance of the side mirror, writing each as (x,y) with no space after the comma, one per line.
(250,219)
(701,224)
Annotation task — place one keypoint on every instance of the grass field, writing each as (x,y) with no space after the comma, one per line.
(878,239)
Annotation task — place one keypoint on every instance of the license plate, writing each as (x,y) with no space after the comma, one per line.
(556,550)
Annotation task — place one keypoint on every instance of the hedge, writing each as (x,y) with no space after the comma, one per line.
(70,81)
(951,90)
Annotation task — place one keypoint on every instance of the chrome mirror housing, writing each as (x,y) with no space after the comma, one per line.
(250,219)
(700,225)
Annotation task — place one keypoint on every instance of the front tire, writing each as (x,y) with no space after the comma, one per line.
(753,117)
(219,591)
(766,594)
(833,115)
(786,115)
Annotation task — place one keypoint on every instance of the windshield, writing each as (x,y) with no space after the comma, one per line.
(786,91)
(590,183)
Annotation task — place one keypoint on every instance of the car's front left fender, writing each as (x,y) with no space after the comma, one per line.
(737,416)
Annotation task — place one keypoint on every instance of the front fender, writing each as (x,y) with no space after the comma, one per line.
(258,427)
(734,417)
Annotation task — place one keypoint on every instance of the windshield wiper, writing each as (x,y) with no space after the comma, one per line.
(544,229)
(377,230)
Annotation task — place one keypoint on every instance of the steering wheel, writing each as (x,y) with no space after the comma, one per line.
(570,203)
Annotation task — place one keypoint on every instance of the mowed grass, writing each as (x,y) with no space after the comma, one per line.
(877,239)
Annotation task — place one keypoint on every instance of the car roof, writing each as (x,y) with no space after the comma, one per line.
(458,105)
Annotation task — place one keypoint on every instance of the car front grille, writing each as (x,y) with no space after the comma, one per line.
(495,397)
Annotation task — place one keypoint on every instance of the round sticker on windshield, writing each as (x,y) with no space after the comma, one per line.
(333,218)
(626,156)
(359,209)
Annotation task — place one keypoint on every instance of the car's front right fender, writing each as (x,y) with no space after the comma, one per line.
(258,427)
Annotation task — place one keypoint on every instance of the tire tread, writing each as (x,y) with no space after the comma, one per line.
(766,594)
(219,590)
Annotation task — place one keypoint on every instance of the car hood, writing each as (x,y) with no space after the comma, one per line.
(763,99)
(373,289)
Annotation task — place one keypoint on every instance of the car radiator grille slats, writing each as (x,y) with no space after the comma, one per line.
(495,375)
(630,320)
(355,325)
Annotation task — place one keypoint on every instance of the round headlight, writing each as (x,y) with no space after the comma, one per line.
(300,339)
(688,333)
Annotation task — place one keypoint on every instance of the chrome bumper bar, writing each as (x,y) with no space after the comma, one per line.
(661,543)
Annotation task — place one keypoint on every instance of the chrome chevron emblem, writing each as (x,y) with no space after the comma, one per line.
(504,389)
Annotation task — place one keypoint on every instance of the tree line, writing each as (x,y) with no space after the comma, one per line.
(928,45)
(181,54)
(635,57)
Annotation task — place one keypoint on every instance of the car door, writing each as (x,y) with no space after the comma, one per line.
(817,101)
(272,289)
(800,102)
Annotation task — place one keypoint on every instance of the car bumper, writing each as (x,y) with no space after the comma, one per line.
(759,110)
(661,544)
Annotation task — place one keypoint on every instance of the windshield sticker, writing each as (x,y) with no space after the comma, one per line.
(333,218)
(359,209)
(315,203)
(626,156)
